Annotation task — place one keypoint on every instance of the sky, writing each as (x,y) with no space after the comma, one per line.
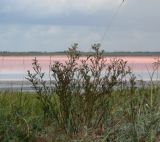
(55,25)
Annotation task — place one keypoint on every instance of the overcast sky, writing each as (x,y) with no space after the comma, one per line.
(54,25)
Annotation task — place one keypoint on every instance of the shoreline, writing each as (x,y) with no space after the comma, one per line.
(59,53)
(26,86)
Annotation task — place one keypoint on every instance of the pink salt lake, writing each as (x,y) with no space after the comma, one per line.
(15,67)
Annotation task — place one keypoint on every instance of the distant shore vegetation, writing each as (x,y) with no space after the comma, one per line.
(35,53)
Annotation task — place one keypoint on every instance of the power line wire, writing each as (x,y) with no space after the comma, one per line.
(111,22)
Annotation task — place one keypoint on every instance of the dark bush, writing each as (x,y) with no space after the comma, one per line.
(79,91)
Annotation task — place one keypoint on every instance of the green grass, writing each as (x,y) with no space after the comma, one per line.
(129,117)
(20,116)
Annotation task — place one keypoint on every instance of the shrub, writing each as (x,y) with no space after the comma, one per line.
(77,98)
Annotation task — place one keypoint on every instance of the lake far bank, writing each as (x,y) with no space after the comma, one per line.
(61,53)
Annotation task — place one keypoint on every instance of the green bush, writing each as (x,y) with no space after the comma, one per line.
(80,90)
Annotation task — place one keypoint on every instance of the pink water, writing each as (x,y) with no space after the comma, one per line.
(15,68)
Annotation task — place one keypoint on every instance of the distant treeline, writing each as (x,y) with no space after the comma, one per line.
(6,53)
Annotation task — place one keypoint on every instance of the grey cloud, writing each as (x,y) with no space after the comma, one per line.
(136,27)
(45,38)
